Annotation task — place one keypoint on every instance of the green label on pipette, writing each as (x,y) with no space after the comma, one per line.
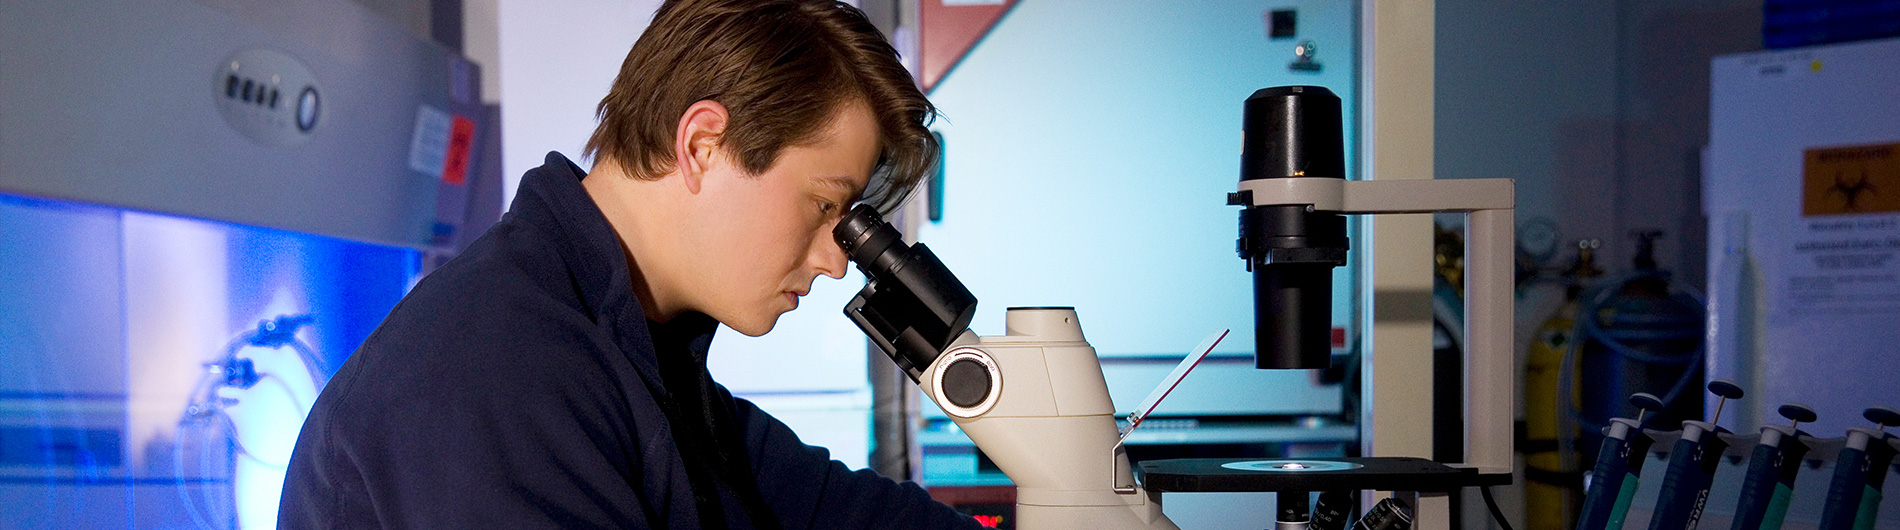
(1869,509)
(1777,508)
(1622,507)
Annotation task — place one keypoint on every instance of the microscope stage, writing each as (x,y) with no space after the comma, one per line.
(1309,474)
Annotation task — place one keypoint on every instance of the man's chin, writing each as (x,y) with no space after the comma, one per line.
(755,328)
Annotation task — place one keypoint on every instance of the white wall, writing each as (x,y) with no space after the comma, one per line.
(553,62)
(481,43)
(1538,114)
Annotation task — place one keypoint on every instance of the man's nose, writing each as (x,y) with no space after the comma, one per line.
(825,256)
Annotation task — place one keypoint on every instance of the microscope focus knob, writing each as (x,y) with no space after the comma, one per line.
(968,384)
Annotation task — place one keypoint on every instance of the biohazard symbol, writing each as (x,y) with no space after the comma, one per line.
(1850,190)
(1850,180)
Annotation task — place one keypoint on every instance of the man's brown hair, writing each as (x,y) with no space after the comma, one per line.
(782,69)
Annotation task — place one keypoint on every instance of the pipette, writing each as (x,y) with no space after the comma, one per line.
(1853,497)
(1619,466)
(1772,467)
(1692,464)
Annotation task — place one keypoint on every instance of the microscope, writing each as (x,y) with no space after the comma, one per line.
(1034,399)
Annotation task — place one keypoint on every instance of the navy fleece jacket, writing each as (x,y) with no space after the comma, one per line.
(518,386)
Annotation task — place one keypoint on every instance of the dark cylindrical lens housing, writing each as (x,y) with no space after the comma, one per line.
(912,307)
(863,235)
(1389,514)
(1292,132)
(1300,342)
(1292,507)
(1333,509)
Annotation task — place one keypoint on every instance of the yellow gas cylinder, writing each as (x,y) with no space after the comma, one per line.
(1547,493)
(1552,491)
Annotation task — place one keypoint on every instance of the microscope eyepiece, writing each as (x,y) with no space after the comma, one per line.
(863,234)
(911,306)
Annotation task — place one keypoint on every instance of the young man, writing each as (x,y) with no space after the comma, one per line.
(553,375)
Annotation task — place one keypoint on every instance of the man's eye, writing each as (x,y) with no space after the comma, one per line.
(827,207)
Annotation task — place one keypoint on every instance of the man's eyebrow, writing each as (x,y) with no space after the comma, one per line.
(841,183)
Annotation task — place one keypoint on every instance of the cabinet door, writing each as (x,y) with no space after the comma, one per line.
(1089,150)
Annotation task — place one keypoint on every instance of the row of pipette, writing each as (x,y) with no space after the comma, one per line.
(1853,496)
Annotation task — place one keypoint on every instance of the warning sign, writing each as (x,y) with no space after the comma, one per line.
(1851,180)
(1847,256)
(461,139)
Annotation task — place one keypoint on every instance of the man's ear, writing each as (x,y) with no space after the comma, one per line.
(696,143)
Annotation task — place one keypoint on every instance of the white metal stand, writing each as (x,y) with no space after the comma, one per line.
(1490,384)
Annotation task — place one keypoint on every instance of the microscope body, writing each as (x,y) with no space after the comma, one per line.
(1033,399)
(1045,419)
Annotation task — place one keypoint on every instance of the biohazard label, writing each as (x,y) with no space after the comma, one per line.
(1846,258)
(1851,180)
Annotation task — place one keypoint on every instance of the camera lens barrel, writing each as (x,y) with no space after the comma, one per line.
(1292,132)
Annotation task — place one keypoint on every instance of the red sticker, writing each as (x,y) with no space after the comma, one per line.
(461,139)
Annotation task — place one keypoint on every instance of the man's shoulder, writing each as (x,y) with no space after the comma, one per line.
(514,276)
(495,371)
(504,311)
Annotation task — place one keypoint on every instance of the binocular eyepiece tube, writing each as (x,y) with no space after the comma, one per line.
(911,306)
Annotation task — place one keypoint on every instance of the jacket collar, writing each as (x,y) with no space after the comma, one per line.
(552,195)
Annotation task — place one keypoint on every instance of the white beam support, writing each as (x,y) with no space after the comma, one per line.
(1490,367)
(1490,363)
(1384,196)
(1396,89)
(1431,511)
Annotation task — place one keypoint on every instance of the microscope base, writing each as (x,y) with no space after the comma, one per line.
(1144,515)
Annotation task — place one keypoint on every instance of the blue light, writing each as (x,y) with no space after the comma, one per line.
(118,326)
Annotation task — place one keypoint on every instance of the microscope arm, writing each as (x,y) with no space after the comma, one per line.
(1490,366)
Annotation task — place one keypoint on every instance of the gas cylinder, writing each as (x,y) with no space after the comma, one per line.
(1553,488)
(1638,334)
